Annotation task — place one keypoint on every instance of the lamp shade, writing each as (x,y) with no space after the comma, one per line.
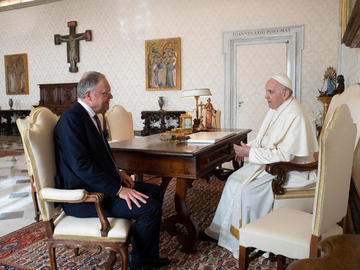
(196,92)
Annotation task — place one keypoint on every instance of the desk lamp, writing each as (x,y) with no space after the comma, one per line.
(196,93)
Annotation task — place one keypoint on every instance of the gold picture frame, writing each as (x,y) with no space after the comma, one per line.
(163,64)
(16,74)
(186,121)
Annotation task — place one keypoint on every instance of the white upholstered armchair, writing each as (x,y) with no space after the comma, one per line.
(109,233)
(23,125)
(295,234)
(119,123)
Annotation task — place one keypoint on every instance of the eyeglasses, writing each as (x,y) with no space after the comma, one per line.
(106,93)
(103,93)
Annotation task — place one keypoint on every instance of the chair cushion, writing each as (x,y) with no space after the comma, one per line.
(88,228)
(284,231)
(305,204)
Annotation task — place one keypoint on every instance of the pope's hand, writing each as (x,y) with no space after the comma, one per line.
(239,159)
(241,151)
(131,195)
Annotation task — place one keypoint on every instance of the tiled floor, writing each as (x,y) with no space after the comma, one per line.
(16,207)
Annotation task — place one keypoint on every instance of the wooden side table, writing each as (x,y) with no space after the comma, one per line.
(325,100)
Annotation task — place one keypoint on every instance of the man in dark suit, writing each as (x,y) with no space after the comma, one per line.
(84,161)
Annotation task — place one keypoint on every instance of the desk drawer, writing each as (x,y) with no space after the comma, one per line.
(211,159)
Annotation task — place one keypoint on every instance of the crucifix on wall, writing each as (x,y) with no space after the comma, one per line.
(72,44)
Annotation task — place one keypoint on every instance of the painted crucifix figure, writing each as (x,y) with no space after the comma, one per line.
(72,44)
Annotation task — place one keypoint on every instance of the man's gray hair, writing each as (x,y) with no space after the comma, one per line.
(88,82)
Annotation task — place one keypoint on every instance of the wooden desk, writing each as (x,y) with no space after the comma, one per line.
(150,155)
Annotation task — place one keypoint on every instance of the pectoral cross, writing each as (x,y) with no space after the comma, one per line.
(72,44)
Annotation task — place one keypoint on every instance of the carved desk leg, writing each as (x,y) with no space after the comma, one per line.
(165,182)
(183,217)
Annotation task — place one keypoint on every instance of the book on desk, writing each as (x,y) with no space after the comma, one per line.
(208,137)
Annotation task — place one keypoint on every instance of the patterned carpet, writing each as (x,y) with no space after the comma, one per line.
(26,248)
(4,153)
(10,146)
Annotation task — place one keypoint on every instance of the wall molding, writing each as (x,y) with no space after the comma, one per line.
(26,4)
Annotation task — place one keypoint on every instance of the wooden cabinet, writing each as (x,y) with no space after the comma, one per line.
(57,96)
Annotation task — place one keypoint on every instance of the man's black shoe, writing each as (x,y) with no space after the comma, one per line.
(138,266)
(159,262)
(204,237)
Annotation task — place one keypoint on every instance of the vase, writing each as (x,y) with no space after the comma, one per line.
(11,103)
(161,102)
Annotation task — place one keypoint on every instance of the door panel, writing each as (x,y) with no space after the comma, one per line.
(256,63)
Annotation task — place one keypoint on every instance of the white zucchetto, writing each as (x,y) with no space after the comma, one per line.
(283,79)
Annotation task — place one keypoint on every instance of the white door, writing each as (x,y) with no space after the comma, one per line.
(256,63)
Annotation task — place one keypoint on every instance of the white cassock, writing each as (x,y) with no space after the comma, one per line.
(286,134)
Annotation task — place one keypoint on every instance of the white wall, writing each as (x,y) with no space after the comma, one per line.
(351,65)
(120,28)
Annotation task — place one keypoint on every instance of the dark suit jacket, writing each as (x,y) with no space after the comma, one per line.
(82,159)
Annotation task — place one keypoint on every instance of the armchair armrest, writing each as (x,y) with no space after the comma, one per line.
(63,195)
(280,169)
(76,196)
(98,198)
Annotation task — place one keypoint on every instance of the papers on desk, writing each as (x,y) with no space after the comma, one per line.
(208,137)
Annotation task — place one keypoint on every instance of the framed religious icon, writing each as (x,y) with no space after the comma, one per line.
(163,64)
(16,74)
(186,121)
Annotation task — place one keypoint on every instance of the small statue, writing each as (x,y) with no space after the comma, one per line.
(341,86)
(210,114)
(329,82)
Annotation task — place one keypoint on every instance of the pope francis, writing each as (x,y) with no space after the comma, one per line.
(286,134)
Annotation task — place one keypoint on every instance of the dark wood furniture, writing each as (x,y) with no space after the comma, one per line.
(165,118)
(186,162)
(8,121)
(337,252)
(57,96)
